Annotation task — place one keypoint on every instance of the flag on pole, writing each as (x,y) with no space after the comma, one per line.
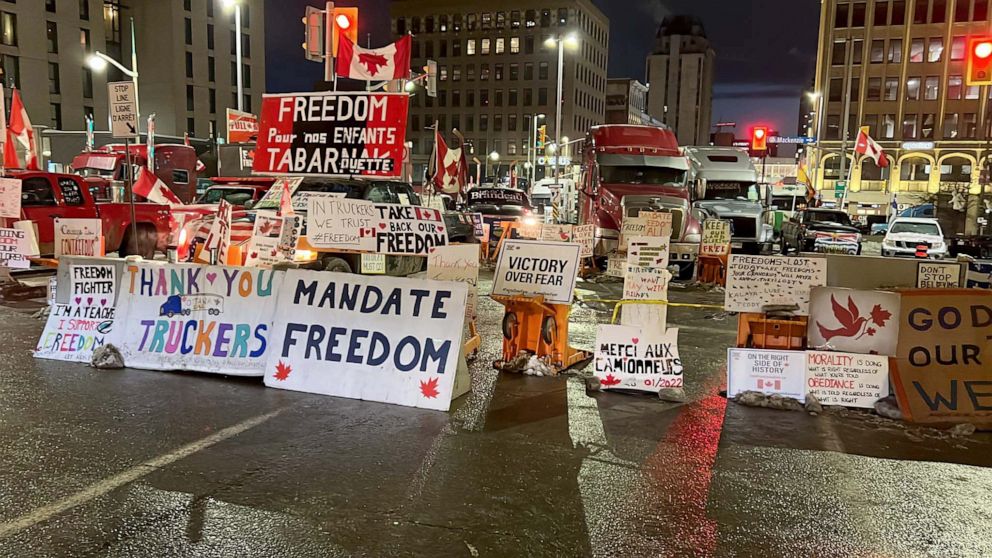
(451,168)
(377,64)
(151,187)
(285,201)
(867,146)
(151,142)
(19,133)
(894,207)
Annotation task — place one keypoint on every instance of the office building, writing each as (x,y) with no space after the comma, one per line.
(496,73)
(680,78)
(626,101)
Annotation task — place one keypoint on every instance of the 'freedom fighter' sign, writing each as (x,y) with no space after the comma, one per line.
(332,133)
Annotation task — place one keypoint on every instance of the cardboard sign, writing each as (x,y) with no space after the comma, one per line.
(647,223)
(851,380)
(530,230)
(938,275)
(338,223)
(346,224)
(583,236)
(716,238)
(15,248)
(477,227)
(781,372)
(387,339)
(242,127)
(332,133)
(616,265)
(73,332)
(457,263)
(646,283)
(865,322)
(648,251)
(530,268)
(943,372)
(78,237)
(223,231)
(10,198)
(373,264)
(556,233)
(92,285)
(628,358)
(757,281)
(190,317)
(263,248)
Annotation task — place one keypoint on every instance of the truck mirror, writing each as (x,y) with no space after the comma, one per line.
(699,190)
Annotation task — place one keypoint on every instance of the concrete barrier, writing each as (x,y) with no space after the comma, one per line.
(876,272)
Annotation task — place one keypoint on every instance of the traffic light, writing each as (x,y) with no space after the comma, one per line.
(759,138)
(542,136)
(344,22)
(314,44)
(979,61)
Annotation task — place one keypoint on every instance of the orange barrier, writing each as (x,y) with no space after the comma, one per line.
(758,331)
(530,324)
(712,269)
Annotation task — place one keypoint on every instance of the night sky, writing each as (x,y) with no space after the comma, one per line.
(765,49)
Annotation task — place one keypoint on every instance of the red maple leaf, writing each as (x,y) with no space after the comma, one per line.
(266,227)
(871,332)
(609,380)
(282,371)
(429,388)
(372,62)
(880,316)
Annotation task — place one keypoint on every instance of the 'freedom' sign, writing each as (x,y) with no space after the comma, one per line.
(332,133)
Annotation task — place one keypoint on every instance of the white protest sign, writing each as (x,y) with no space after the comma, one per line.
(78,237)
(457,263)
(338,223)
(771,372)
(387,339)
(408,230)
(647,223)
(531,230)
(15,248)
(583,236)
(10,198)
(263,249)
(630,358)
(123,109)
(92,285)
(223,231)
(715,238)
(853,321)
(373,264)
(191,317)
(556,233)
(754,282)
(72,332)
(646,283)
(847,379)
(616,265)
(395,229)
(648,251)
(533,268)
(938,275)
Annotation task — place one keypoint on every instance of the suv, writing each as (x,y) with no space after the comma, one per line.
(820,230)
(906,234)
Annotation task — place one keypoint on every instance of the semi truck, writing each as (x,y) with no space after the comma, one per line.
(105,169)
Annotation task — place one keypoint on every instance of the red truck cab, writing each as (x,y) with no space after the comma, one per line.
(105,168)
(628,169)
(47,196)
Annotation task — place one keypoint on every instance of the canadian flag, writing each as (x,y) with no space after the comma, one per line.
(285,200)
(378,64)
(451,173)
(19,130)
(867,146)
(151,187)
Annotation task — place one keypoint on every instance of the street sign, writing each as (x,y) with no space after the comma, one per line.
(839,189)
(797,140)
(123,109)
(432,78)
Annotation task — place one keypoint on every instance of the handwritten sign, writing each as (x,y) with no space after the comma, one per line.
(616,265)
(851,380)
(341,223)
(715,238)
(531,268)
(457,263)
(387,339)
(646,283)
(754,282)
(531,230)
(852,321)
(477,227)
(942,373)
(264,249)
(647,223)
(648,251)
(10,198)
(556,233)
(373,264)
(583,235)
(938,275)
(92,285)
(15,248)
(766,371)
(78,237)
(73,332)
(629,358)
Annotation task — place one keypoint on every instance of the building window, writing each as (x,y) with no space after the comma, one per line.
(483,122)
(188,30)
(858,51)
(833,127)
(484,72)
(881,13)
(545,18)
(50,6)
(211,69)
(84,40)
(939,14)
(54,83)
(951,125)
(875,89)
(954,87)
(456,98)
(528,97)
(562,16)
(56,114)
(888,126)
(189,97)
(931,88)
(514,98)
(485,46)
(916,50)
(471,98)
(839,55)
(11,70)
(841,16)
(961,10)
(898,12)
(212,100)
(487,20)
(456,73)
(891,89)
(877,54)
(913,89)
(498,123)
(514,45)
(895,51)
(529,45)
(971,92)
(443,73)
(471,21)
(981,12)
(87,83)
(191,127)
(927,125)
(500,45)
(188,5)
(52,31)
(858,15)
(444,23)
(542,70)
(470,47)
(84,9)
(456,47)
(500,20)
(836,92)
(957,47)
(542,96)
(969,121)
(530,18)
(189,65)
(528,71)
(514,72)
(210,36)
(909,126)
(444,48)
(498,74)
(920,15)
(499,97)
(511,122)
(935,47)
(8,29)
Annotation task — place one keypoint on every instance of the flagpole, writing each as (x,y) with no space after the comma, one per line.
(130,197)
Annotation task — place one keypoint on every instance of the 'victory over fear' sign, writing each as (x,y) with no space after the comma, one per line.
(547,269)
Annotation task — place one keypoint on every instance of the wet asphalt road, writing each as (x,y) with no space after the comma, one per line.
(139,463)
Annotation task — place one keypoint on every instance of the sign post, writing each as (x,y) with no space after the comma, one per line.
(124,124)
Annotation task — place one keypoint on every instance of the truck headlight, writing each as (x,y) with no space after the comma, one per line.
(767,232)
(305,256)
(810,235)
(694,238)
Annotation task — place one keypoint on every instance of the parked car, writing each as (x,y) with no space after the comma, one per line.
(907,234)
(239,192)
(879,229)
(498,205)
(820,230)
(46,196)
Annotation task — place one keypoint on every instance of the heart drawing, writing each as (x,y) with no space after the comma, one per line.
(211,277)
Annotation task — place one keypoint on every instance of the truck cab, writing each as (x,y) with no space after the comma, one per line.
(627,169)
(105,169)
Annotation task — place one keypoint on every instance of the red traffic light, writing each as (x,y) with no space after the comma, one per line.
(345,24)
(342,22)
(983,49)
(759,138)
(979,61)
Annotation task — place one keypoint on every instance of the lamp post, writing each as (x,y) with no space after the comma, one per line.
(533,145)
(817,98)
(561,41)
(236,4)
(494,157)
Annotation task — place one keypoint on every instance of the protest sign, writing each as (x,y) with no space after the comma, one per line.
(646,283)
(629,358)
(347,224)
(373,264)
(457,263)
(263,248)
(273,197)
(223,231)
(532,268)
(73,332)
(851,321)
(771,372)
(332,133)
(78,237)
(646,223)
(616,265)
(339,223)
(15,248)
(715,238)
(754,282)
(648,252)
(851,380)
(477,227)
(10,198)
(556,233)
(583,236)
(190,317)
(530,229)
(242,127)
(938,275)
(387,339)
(942,373)
(92,285)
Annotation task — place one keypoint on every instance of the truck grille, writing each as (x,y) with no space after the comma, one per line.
(744,227)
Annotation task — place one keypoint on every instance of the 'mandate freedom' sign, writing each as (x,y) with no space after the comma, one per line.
(332,133)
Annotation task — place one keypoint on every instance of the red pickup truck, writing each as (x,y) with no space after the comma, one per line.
(46,196)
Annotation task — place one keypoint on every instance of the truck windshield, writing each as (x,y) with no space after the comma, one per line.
(930,229)
(730,191)
(641,175)
(103,173)
(830,217)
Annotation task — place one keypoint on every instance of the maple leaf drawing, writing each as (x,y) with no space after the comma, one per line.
(609,380)
(879,316)
(266,227)
(871,332)
(429,388)
(372,62)
(282,371)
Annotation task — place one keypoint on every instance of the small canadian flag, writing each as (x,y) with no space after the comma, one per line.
(769,384)
(867,146)
(150,186)
(366,232)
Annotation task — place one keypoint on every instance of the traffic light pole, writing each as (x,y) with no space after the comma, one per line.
(329,73)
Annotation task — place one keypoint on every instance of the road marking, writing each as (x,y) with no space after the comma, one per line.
(128,476)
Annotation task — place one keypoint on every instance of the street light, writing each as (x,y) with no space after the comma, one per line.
(571,40)
(236,4)
(817,98)
(98,62)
